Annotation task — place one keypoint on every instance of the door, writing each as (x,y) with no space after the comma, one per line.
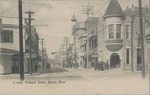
(15,65)
(114,61)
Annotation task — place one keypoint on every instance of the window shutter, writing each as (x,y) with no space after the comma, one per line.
(11,36)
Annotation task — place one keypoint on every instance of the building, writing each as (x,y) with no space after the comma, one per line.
(9,48)
(80,35)
(91,25)
(115,37)
(35,56)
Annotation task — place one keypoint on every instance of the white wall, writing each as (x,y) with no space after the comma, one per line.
(15,44)
(5,64)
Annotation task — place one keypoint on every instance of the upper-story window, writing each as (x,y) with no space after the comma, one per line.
(7,36)
(118,31)
(127,31)
(111,31)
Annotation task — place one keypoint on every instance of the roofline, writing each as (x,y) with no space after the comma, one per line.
(114,15)
(11,26)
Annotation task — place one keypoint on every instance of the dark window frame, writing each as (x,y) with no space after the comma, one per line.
(111,31)
(7,36)
(118,30)
(127,55)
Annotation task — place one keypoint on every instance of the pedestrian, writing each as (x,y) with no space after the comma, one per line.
(99,66)
(96,66)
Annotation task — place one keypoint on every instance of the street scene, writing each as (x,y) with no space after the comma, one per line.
(75,47)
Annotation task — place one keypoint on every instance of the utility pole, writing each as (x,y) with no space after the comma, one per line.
(149,45)
(141,38)
(75,48)
(30,51)
(88,10)
(132,20)
(21,56)
(42,42)
(66,42)
(74,33)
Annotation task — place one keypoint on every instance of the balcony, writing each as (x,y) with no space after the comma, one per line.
(114,44)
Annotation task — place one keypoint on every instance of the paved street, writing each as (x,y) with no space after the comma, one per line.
(76,81)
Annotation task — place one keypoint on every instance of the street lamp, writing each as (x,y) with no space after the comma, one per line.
(73,31)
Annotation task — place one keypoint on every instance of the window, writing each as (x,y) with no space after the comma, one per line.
(127,56)
(111,31)
(7,36)
(118,31)
(127,31)
(138,56)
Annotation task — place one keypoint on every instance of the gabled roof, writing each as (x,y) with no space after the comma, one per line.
(114,10)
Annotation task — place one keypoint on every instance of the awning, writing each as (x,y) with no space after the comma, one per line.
(5,51)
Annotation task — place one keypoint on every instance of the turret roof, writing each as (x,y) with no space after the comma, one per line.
(114,10)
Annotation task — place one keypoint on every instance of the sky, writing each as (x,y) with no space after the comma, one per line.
(54,16)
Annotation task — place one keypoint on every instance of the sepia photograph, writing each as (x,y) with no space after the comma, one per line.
(74,47)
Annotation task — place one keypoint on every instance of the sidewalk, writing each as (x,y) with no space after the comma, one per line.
(27,75)
(106,73)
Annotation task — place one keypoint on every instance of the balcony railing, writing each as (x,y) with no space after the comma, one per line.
(114,41)
(114,44)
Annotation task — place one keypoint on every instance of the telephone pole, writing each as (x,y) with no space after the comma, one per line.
(88,10)
(42,42)
(141,38)
(30,51)
(21,56)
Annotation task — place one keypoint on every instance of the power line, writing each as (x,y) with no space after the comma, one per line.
(88,10)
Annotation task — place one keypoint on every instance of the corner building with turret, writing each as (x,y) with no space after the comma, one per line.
(114,37)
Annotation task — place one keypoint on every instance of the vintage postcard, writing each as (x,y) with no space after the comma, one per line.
(74,47)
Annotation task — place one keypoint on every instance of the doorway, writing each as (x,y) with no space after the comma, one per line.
(15,65)
(115,61)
